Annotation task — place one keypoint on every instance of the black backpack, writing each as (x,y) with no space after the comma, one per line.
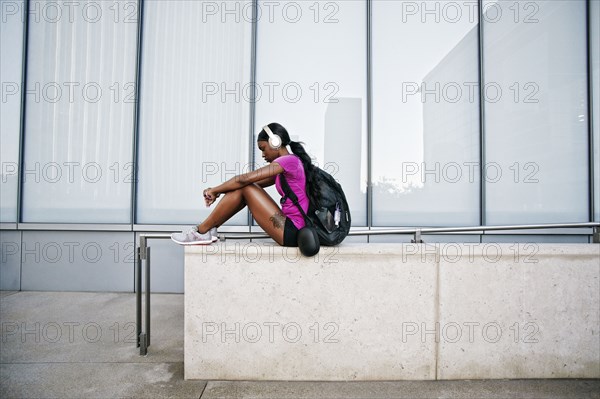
(331,230)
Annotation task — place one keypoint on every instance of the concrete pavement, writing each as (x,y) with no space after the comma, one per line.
(81,345)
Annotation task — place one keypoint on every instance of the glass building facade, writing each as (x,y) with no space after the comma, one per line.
(117,114)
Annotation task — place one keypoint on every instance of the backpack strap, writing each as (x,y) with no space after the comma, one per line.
(291,195)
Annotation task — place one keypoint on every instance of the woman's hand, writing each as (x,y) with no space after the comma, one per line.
(210,196)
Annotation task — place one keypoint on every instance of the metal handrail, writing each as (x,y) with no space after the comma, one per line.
(415,231)
(143,253)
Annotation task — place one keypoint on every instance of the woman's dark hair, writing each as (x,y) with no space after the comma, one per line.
(310,170)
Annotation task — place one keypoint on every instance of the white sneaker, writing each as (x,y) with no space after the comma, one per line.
(214,235)
(192,237)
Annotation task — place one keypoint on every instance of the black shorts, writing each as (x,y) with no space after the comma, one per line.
(290,234)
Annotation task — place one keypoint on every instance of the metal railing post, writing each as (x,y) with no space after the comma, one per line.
(147,278)
(143,337)
(138,295)
(417,239)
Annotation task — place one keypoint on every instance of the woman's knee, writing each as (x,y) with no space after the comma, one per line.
(250,188)
(239,193)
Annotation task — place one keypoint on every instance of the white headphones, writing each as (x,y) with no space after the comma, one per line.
(274,140)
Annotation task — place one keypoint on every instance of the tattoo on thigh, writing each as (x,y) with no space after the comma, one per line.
(278,220)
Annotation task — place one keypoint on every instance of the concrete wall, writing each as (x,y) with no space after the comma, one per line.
(392,312)
(67,261)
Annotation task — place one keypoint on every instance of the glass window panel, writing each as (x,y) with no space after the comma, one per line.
(194,114)
(11,62)
(425,113)
(311,78)
(79,112)
(536,112)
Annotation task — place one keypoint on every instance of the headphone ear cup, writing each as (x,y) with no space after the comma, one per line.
(308,241)
(275,141)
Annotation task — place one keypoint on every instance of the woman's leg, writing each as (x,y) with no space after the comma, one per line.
(264,210)
(230,204)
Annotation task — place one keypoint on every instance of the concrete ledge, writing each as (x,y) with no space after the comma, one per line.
(532,313)
(392,312)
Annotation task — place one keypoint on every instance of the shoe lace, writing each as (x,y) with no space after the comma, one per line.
(190,230)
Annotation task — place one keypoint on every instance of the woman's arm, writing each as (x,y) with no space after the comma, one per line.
(262,176)
(269,181)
